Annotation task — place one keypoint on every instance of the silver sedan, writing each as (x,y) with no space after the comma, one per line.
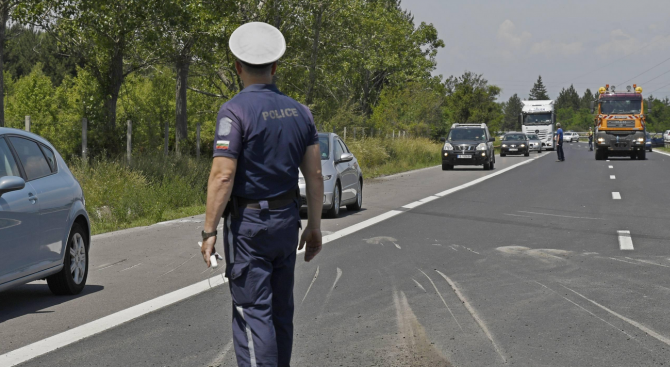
(342,177)
(534,142)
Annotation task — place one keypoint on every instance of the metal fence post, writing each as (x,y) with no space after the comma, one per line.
(129,141)
(84,139)
(197,141)
(28,123)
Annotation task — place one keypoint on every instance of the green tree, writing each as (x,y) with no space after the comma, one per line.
(512,111)
(471,99)
(539,91)
(587,98)
(6,7)
(568,98)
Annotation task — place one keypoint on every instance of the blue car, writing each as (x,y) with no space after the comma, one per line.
(44,226)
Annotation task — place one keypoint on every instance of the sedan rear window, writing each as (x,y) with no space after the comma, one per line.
(31,157)
(8,165)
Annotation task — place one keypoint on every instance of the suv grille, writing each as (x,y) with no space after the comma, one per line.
(464,147)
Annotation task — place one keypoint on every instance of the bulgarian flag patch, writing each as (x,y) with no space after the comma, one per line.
(222,144)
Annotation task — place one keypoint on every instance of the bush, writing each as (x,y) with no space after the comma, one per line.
(379,157)
(150,190)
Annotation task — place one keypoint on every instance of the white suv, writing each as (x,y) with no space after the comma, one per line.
(666,137)
(571,137)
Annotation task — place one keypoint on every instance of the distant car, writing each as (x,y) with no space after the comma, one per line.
(515,143)
(342,177)
(570,137)
(468,145)
(534,142)
(653,141)
(44,227)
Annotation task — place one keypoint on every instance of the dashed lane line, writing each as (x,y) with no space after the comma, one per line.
(611,167)
(616,196)
(612,177)
(625,241)
(68,337)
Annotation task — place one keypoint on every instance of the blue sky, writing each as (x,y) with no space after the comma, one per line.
(586,43)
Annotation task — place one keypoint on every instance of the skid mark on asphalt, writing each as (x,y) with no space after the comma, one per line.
(647,330)
(557,215)
(134,266)
(413,339)
(545,255)
(105,266)
(180,265)
(220,359)
(474,314)
(517,215)
(585,310)
(419,285)
(443,301)
(648,262)
(310,285)
(380,240)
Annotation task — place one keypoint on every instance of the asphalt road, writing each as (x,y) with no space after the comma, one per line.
(525,268)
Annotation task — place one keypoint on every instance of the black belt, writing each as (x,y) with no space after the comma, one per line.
(276,202)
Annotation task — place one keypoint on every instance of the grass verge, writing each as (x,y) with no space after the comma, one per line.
(381,157)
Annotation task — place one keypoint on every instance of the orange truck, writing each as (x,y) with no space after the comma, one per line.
(620,123)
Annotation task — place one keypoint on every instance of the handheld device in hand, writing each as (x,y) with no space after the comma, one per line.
(213,259)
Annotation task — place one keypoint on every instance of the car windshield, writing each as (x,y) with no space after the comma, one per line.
(324,146)
(537,119)
(532,137)
(514,137)
(620,106)
(467,134)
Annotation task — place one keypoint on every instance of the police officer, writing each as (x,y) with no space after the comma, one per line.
(262,138)
(559,143)
(590,135)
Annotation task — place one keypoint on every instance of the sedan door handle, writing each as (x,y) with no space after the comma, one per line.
(32,198)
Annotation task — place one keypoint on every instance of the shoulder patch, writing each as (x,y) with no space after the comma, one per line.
(225,125)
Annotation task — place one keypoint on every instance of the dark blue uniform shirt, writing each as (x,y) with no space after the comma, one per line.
(268,133)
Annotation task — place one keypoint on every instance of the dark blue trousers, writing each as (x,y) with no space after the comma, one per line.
(260,249)
(559,150)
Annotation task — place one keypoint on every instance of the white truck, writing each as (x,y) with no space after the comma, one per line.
(539,117)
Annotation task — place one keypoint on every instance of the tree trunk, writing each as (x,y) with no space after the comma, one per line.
(4,15)
(112,87)
(315,50)
(183,65)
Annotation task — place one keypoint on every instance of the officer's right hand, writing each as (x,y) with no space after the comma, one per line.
(312,237)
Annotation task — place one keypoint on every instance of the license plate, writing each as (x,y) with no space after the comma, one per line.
(468,156)
(513,149)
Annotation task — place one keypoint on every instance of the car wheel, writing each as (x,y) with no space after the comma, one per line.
(502,154)
(527,154)
(642,155)
(359,199)
(487,166)
(447,167)
(334,211)
(72,278)
(492,165)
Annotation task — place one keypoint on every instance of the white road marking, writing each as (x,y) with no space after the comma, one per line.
(428,199)
(557,215)
(659,152)
(625,241)
(337,278)
(517,215)
(396,245)
(612,177)
(647,330)
(310,285)
(443,301)
(608,160)
(412,205)
(611,166)
(616,196)
(471,250)
(473,313)
(648,262)
(52,343)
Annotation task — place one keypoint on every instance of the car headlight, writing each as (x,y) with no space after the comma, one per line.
(481,146)
(447,146)
(327,177)
(504,145)
(601,140)
(640,140)
(522,145)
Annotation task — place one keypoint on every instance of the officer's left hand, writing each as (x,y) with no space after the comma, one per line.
(207,249)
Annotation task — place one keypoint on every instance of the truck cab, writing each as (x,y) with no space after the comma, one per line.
(620,126)
(539,118)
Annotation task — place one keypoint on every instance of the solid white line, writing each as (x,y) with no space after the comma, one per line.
(412,205)
(612,177)
(52,343)
(616,196)
(625,241)
(611,166)
(429,199)
(664,153)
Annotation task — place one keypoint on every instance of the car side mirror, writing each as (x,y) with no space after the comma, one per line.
(11,183)
(492,140)
(443,139)
(346,157)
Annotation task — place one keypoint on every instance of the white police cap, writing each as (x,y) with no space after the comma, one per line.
(257,43)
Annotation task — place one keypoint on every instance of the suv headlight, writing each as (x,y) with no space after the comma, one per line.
(522,145)
(447,146)
(504,145)
(482,146)
(640,140)
(601,140)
